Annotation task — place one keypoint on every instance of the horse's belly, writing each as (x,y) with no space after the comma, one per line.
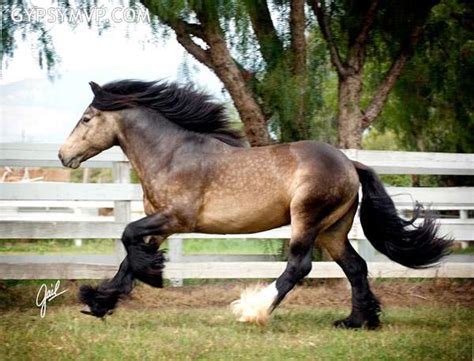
(242,216)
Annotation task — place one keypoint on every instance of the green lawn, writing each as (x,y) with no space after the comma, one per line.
(191,246)
(300,333)
(106,246)
(56,246)
(466,251)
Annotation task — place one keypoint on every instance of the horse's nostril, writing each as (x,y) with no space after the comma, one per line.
(63,160)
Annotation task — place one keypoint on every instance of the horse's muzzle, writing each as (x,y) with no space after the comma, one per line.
(69,162)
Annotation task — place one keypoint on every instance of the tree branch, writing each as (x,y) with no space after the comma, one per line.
(183,36)
(378,101)
(357,48)
(183,31)
(381,94)
(193,29)
(217,57)
(299,66)
(318,7)
(369,18)
(271,46)
(298,39)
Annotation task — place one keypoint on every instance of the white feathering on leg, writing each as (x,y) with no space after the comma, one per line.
(254,304)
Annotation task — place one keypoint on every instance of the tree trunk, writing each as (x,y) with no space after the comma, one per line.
(299,67)
(255,125)
(216,56)
(349,112)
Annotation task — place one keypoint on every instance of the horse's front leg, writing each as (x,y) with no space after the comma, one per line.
(101,300)
(143,261)
(146,260)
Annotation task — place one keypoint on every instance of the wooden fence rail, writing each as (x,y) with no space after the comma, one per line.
(125,197)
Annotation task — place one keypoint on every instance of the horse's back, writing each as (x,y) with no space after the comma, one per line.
(251,190)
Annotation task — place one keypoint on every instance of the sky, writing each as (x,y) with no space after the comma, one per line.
(37,109)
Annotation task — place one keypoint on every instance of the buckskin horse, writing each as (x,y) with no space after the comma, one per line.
(197,176)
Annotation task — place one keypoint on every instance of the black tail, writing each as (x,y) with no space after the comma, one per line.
(415,246)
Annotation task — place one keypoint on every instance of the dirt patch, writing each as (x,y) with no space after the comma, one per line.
(335,294)
(318,294)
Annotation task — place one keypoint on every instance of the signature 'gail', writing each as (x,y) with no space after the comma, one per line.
(198,177)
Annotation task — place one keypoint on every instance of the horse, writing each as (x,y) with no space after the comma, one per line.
(198,175)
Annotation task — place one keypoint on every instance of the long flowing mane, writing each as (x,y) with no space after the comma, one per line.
(183,105)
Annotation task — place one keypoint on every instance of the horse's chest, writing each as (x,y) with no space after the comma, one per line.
(172,199)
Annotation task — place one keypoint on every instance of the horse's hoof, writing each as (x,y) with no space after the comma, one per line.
(87,311)
(350,324)
(347,323)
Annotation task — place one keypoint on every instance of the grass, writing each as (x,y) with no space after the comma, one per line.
(464,251)
(56,246)
(427,333)
(190,246)
(106,246)
(232,246)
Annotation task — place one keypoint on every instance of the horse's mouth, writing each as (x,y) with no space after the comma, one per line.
(72,163)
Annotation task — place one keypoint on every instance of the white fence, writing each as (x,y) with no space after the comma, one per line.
(125,197)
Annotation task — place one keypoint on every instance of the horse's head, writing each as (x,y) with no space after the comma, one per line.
(95,132)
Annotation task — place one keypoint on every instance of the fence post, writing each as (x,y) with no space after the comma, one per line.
(175,255)
(122,209)
(78,241)
(463,215)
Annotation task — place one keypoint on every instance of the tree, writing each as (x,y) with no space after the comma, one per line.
(276,73)
(432,105)
(270,85)
(352,29)
(28,28)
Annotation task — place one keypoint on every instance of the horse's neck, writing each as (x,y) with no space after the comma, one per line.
(145,147)
(152,144)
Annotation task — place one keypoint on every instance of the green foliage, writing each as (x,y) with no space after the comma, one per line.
(267,60)
(95,175)
(376,140)
(431,108)
(232,246)
(16,27)
(56,246)
(106,246)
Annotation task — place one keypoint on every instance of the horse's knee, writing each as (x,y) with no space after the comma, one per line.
(129,234)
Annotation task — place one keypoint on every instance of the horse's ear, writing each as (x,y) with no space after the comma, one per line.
(95,87)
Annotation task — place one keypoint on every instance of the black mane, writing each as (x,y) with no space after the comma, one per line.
(191,109)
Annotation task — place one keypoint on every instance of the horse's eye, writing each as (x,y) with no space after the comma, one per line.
(85,119)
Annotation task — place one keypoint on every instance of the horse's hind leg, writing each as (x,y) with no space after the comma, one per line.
(255,305)
(365,306)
